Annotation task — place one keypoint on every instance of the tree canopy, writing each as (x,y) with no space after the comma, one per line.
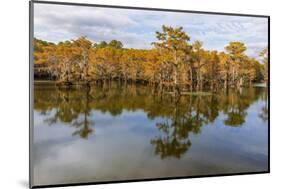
(173,63)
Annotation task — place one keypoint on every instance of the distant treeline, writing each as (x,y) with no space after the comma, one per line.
(172,62)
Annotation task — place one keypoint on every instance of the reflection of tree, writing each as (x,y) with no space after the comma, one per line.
(84,126)
(235,104)
(69,105)
(264,110)
(65,111)
(264,113)
(175,141)
(73,106)
(235,118)
(172,143)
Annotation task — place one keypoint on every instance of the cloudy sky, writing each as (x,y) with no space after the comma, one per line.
(136,28)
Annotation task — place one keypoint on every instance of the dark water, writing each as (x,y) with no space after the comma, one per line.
(115,133)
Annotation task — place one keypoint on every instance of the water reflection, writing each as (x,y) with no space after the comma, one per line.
(177,123)
(264,111)
(186,115)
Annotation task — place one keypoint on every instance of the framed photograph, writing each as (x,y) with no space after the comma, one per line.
(121,94)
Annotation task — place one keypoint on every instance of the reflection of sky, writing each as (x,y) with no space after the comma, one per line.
(119,148)
(136,28)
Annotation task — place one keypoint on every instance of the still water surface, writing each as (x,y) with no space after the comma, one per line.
(119,133)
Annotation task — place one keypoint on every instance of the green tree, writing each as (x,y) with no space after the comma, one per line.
(115,44)
(264,55)
(83,46)
(173,46)
(236,52)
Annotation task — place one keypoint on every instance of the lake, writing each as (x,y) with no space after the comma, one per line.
(112,132)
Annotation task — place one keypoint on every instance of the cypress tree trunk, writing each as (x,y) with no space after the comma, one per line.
(176,82)
(191,79)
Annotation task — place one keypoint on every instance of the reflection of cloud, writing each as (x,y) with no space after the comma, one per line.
(121,149)
(136,28)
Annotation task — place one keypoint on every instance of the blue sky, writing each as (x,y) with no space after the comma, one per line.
(136,28)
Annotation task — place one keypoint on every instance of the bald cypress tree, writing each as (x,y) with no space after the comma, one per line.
(173,46)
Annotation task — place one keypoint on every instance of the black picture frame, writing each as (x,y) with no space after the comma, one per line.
(31,79)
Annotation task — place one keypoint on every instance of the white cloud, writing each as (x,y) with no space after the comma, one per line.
(136,28)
